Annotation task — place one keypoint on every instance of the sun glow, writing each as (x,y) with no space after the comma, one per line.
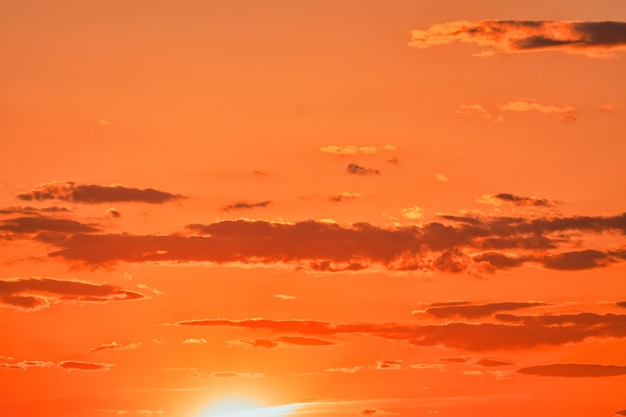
(247,408)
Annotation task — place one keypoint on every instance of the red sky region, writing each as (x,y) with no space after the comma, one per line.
(355,208)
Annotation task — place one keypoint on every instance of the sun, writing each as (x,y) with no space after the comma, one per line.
(243,407)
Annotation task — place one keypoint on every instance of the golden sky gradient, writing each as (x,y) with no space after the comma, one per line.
(312,207)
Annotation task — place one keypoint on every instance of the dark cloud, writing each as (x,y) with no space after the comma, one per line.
(579,260)
(325,246)
(359,170)
(490,363)
(33,210)
(620,413)
(591,38)
(96,194)
(245,205)
(513,332)
(344,196)
(621,304)
(574,370)
(522,201)
(114,213)
(477,310)
(394,162)
(33,293)
(29,225)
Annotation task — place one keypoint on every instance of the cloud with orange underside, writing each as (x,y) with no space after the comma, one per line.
(594,39)
(481,244)
(35,293)
(501,332)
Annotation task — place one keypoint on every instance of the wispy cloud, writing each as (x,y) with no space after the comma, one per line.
(565,114)
(245,205)
(594,39)
(285,297)
(116,346)
(344,196)
(96,194)
(355,150)
(280,341)
(497,199)
(195,341)
(469,310)
(507,332)
(67,365)
(574,370)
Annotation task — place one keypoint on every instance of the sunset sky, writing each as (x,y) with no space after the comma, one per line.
(313,207)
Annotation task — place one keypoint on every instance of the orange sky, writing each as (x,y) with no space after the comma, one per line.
(327,208)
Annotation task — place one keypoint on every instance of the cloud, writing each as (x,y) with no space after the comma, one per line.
(455,359)
(24,365)
(468,310)
(441,178)
(389,365)
(84,366)
(225,374)
(475,245)
(245,205)
(413,213)
(479,111)
(36,293)
(193,341)
(285,297)
(344,370)
(344,196)
(593,39)
(376,412)
(33,210)
(260,173)
(113,212)
(490,363)
(520,201)
(620,413)
(621,304)
(510,332)
(359,170)
(343,150)
(280,341)
(96,194)
(31,225)
(116,346)
(574,370)
(564,114)
(394,161)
